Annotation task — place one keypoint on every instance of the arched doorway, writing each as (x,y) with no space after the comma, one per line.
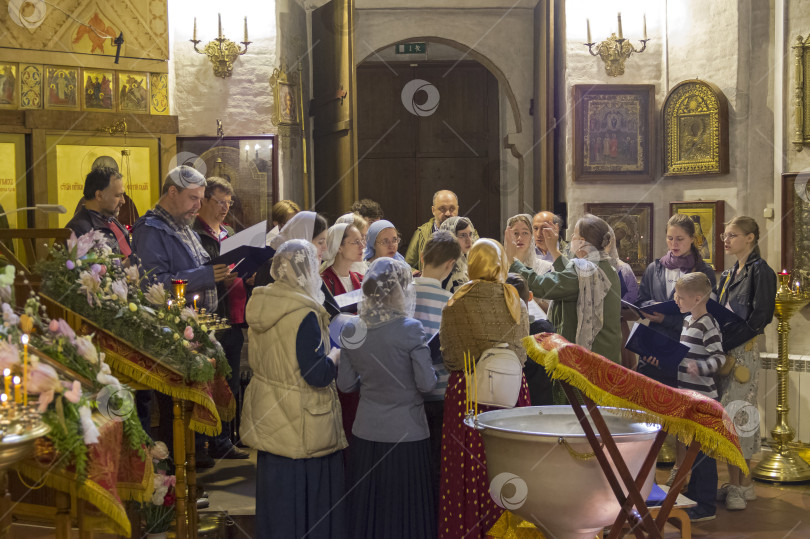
(406,155)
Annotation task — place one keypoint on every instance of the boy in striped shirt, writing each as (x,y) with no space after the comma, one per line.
(701,334)
(438,258)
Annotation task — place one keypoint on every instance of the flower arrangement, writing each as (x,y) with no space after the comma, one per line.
(88,278)
(159,513)
(66,405)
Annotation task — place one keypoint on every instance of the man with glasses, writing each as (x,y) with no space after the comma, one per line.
(169,249)
(231,296)
(445,205)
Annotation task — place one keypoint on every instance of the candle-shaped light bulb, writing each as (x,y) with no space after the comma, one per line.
(645,27)
(195,29)
(247,149)
(25,367)
(246,30)
(18,397)
(219,17)
(588,26)
(620,26)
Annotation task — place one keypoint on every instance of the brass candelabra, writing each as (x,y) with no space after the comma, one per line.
(614,51)
(221,51)
(212,320)
(783,464)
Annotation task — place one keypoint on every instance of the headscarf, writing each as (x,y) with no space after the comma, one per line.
(530,259)
(296,265)
(347,218)
(593,287)
(300,227)
(487,261)
(371,239)
(333,240)
(388,292)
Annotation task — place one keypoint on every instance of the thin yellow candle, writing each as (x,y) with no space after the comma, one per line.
(4,399)
(7,379)
(25,368)
(475,383)
(17,390)
(466,386)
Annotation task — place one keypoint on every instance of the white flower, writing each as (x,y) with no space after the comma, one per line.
(86,349)
(156,294)
(120,289)
(90,285)
(132,274)
(159,451)
(88,426)
(187,313)
(9,315)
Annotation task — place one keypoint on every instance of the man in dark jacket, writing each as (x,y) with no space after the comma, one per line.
(231,295)
(168,249)
(103,198)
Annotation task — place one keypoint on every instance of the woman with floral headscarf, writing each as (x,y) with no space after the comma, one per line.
(291,412)
(481,314)
(390,493)
(585,290)
(462,229)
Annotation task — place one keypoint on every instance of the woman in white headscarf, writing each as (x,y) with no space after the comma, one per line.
(344,248)
(585,290)
(389,463)
(291,412)
(362,225)
(462,229)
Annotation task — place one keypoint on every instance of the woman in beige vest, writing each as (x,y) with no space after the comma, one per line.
(291,411)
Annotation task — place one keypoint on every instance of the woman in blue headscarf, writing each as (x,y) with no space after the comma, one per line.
(382,241)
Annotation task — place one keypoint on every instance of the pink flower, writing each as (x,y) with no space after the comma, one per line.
(120,289)
(75,392)
(91,286)
(188,333)
(45,398)
(53,326)
(65,331)
(42,377)
(9,355)
(70,265)
(86,349)
(96,269)
(82,244)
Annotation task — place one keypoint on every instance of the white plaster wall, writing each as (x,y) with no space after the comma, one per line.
(504,35)
(243,101)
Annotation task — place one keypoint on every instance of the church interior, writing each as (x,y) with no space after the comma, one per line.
(336,131)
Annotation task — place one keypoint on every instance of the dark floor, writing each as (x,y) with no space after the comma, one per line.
(781,511)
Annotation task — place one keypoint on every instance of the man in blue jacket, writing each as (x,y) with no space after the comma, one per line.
(168,249)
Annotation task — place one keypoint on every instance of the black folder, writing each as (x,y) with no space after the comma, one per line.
(664,307)
(247,259)
(648,342)
(721,314)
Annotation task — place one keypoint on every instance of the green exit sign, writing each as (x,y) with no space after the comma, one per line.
(411,48)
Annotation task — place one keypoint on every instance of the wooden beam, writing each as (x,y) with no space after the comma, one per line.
(66,120)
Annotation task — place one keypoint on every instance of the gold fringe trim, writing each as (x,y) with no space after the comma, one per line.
(139,492)
(712,443)
(148,378)
(89,491)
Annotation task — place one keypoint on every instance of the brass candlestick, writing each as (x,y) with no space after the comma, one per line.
(783,464)
(180,291)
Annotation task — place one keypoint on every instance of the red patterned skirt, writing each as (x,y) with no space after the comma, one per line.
(465,507)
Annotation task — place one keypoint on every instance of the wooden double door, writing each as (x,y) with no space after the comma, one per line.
(404,158)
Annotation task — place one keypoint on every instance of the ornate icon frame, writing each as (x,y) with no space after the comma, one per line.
(695,120)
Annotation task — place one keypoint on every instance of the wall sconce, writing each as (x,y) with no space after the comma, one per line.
(614,51)
(221,51)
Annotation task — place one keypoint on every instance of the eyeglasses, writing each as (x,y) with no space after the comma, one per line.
(227,204)
(356,243)
(465,236)
(725,237)
(389,243)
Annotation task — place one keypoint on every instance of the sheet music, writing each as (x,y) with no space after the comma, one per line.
(253,236)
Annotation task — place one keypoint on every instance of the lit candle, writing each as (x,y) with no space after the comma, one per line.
(25,367)
(17,390)
(195,29)
(196,296)
(620,26)
(645,27)
(7,379)
(219,16)
(588,25)
(246,30)
(4,399)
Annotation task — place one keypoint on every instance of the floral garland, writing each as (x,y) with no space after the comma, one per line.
(118,296)
(66,407)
